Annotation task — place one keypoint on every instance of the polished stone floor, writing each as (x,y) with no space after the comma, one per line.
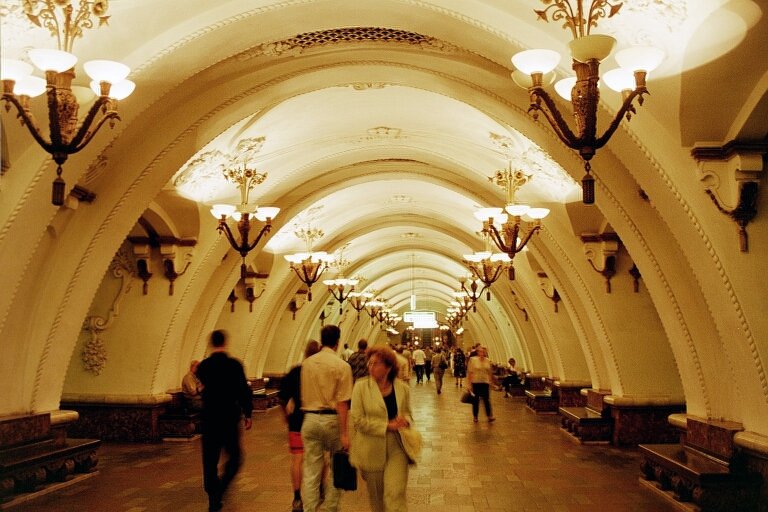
(522,462)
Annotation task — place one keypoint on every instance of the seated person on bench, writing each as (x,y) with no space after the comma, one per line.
(192,387)
(514,377)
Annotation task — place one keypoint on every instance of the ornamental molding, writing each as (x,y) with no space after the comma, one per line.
(94,355)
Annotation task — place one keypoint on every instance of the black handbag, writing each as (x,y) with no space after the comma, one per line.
(467,397)
(344,474)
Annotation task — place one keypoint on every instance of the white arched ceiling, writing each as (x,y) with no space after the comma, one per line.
(399,114)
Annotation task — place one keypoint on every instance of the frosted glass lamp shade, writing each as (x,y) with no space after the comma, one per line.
(30,86)
(620,79)
(267,212)
(122,89)
(564,86)
(538,213)
(500,256)
(592,47)
(483,214)
(12,69)
(106,70)
(52,60)
(536,61)
(218,210)
(517,209)
(640,58)
(118,91)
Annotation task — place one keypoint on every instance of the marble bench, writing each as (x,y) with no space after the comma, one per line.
(701,473)
(179,421)
(542,401)
(591,423)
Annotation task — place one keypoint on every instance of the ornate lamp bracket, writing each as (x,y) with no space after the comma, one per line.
(548,288)
(255,285)
(298,301)
(731,176)
(169,254)
(142,253)
(601,251)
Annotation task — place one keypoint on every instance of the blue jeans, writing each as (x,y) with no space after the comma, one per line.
(320,433)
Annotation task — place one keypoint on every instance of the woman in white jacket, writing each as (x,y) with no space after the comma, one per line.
(381,406)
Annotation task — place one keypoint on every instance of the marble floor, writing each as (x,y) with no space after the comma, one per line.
(522,462)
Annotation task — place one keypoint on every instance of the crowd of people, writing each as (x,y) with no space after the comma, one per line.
(352,401)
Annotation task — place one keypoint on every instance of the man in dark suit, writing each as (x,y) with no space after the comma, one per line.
(226,398)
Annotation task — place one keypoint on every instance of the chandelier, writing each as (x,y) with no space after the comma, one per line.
(374,307)
(237,170)
(338,286)
(587,50)
(474,290)
(108,82)
(512,235)
(309,265)
(487,266)
(359,300)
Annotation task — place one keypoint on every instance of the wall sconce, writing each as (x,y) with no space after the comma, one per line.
(19,86)
(549,289)
(587,51)
(731,175)
(601,250)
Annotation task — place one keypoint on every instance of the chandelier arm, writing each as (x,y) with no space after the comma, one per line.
(496,237)
(29,121)
(264,230)
(84,135)
(224,227)
(528,236)
(626,106)
(554,117)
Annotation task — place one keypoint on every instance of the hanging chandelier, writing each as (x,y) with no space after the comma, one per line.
(513,233)
(359,300)
(339,286)
(236,170)
(108,82)
(309,265)
(487,266)
(474,290)
(587,51)
(374,307)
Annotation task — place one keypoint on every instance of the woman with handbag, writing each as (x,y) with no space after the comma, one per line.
(479,376)
(380,410)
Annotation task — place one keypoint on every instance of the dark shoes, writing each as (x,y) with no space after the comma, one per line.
(491,419)
(214,504)
(297,506)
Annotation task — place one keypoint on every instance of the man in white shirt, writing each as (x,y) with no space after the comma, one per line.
(326,389)
(419,360)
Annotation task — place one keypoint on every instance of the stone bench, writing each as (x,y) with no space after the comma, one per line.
(264,399)
(179,421)
(541,401)
(591,423)
(694,477)
(41,453)
(701,473)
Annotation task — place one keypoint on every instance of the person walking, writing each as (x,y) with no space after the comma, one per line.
(459,366)
(419,361)
(479,375)
(439,365)
(381,406)
(290,402)
(359,360)
(226,399)
(326,388)
(428,353)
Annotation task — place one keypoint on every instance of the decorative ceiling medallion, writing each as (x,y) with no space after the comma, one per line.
(296,45)
(365,86)
(400,198)
(383,133)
